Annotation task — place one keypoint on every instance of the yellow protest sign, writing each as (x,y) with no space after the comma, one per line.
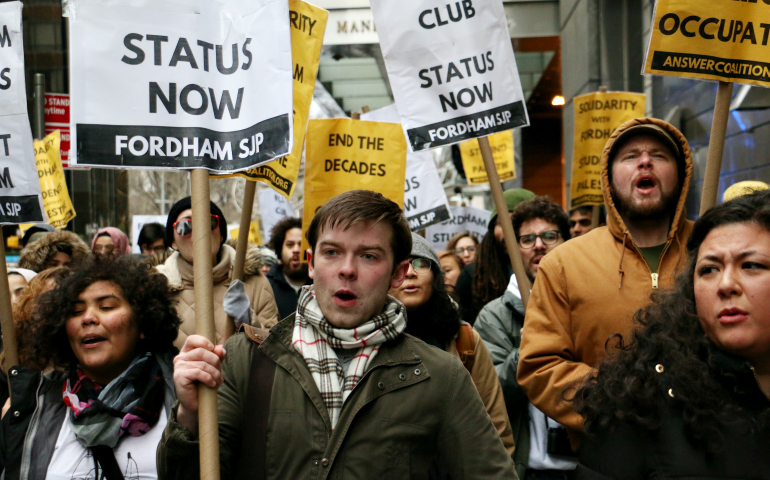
(254,235)
(56,197)
(308,24)
(597,115)
(502,151)
(344,154)
(717,40)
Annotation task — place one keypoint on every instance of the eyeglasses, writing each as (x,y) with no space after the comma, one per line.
(461,250)
(183,227)
(420,265)
(549,238)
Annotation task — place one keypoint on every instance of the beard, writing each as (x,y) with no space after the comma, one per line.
(298,274)
(635,213)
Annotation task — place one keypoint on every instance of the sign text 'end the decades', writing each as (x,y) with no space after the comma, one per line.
(466,127)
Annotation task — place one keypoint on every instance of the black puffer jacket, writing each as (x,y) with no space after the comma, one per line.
(629,452)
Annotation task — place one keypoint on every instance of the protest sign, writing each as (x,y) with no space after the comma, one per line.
(425,202)
(274,208)
(451,67)
(254,236)
(20,197)
(502,149)
(597,115)
(189,85)
(723,40)
(139,221)
(471,219)
(56,197)
(344,154)
(308,24)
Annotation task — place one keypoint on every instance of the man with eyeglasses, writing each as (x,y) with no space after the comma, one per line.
(588,290)
(540,226)
(250,301)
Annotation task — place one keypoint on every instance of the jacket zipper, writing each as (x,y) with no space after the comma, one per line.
(26,456)
(654,280)
(654,276)
(761,388)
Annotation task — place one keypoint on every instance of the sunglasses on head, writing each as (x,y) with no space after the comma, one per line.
(183,227)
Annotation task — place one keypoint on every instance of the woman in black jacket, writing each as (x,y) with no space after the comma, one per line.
(689,397)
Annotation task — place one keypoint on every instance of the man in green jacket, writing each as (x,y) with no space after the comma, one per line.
(337,390)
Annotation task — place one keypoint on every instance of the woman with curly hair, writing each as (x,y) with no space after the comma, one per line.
(689,398)
(107,329)
(433,317)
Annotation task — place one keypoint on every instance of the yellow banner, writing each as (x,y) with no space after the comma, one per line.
(502,151)
(716,40)
(597,115)
(56,197)
(344,154)
(254,235)
(308,24)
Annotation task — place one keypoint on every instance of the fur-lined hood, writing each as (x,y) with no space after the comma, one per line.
(36,254)
(253,262)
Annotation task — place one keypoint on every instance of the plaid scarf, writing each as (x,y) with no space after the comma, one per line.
(131,404)
(315,338)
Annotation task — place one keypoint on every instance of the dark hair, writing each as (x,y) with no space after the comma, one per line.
(146,291)
(151,233)
(589,210)
(541,207)
(437,321)
(491,277)
(628,389)
(452,244)
(59,248)
(354,206)
(278,234)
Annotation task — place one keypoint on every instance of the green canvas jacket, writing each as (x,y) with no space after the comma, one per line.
(414,409)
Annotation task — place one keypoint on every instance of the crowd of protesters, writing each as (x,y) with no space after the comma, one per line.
(644,350)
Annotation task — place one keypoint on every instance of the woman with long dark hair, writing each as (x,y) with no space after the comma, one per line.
(689,397)
(107,329)
(432,316)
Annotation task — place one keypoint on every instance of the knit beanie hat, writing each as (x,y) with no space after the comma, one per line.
(183,205)
(421,248)
(513,197)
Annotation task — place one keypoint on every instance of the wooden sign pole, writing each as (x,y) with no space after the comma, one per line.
(595,214)
(204,319)
(716,146)
(243,232)
(505,220)
(6,315)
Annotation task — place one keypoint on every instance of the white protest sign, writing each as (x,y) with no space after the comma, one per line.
(451,67)
(204,84)
(20,197)
(425,202)
(139,221)
(274,208)
(474,220)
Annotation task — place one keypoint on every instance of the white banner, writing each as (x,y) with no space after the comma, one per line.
(474,220)
(204,84)
(139,221)
(274,208)
(20,196)
(451,67)
(425,202)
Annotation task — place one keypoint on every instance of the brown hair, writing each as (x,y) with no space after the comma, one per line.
(451,254)
(452,244)
(355,206)
(544,208)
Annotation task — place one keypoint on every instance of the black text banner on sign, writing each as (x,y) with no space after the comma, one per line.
(20,197)
(194,85)
(451,67)
(425,201)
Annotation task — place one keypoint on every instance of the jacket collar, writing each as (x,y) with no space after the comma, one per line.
(180,273)
(614,221)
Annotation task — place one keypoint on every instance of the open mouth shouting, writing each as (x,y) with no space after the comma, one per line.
(345,298)
(92,341)
(646,184)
